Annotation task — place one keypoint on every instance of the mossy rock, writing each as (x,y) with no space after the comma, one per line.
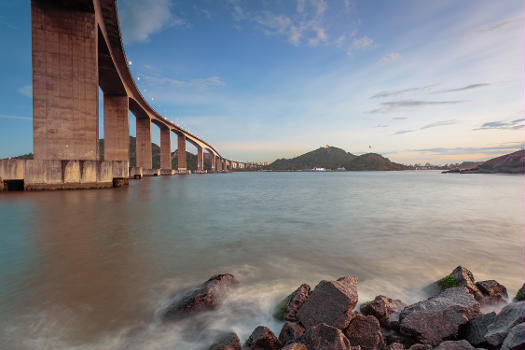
(278,313)
(447,282)
(519,295)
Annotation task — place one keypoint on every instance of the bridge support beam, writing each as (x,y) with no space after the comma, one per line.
(212,162)
(200,159)
(165,148)
(218,164)
(65,82)
(143,147)
(116,127)
(181,153)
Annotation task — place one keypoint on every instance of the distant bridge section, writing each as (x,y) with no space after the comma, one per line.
(77,48)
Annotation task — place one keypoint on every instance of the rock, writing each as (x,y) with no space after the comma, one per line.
(439,317)
(391,336)
(226,341)
(262,338)
(515,340)
(299,297)
(461,277)
(454,345)
(520,295)
(331,302)
(383,309)
(325,337)
(493,292)
(290,332)
(295,346)
(395,346)
(205,297)
(366,332)
(419,346)
(510,316)
(474,331)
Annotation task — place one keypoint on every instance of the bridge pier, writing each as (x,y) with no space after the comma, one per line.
(143,143)
(165,150)
(116,127)
(181,154)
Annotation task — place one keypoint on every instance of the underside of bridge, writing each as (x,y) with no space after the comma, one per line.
(77,48)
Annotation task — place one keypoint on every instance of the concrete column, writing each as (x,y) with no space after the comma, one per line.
(181,152)
(213,163)
(200,159)
(116,127)
(144,143)
(65,82)
(165,148)
(218,164)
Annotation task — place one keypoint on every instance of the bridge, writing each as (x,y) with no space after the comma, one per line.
(77,48)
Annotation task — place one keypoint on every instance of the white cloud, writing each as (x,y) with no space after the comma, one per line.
(142,18)
(320,7)
(26,90)
(393,56)
(4,116)
(359,44)
(196,84)
(300,5)
(340,40)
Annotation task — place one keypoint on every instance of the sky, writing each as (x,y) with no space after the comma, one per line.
(416,81)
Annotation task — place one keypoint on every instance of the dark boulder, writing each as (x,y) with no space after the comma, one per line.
(262,338)
(205,297)
(493,292)
(331,302)
(440,317)
(462,277)
(226,341)
(510,316)
(419,346)
(297,300)
(395,346)
(384,309)
(366,332)
(474,331)
(515,340)
(454,345)
(325,337)
(290,332)
(295,346)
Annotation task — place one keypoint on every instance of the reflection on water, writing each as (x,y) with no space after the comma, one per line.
(92,269)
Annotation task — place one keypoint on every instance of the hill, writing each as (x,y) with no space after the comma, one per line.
(512,163)
(333,158)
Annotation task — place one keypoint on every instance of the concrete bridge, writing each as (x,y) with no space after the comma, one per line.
(77,48)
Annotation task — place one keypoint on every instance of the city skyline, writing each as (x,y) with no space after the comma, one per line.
(416,82)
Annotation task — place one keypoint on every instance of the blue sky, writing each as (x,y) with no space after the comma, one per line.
(416,81)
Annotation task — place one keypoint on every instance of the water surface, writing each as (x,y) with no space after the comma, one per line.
(93,269)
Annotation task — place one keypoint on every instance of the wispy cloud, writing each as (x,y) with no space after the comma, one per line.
(468,150)
(439,123)
(391,106)
(4,116)
(142,18)
(359,44)
(26,90)
(494,27)
(516,124)
(463,88)
(389,93)
(195,84)
(399,118)
(401,132)
(381,126)
(391,57)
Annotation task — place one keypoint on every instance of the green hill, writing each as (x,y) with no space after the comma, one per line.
(332,158)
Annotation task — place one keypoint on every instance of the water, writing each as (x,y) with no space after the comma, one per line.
(93,269)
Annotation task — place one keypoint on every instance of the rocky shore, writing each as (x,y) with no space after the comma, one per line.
(328,317)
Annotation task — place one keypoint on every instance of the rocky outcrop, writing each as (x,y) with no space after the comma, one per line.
(510,316)
(295,346)
(520,295)
(366,332)
(262,338)
(493,292)
(331,302)
(454,345)
(419,346)
(297,300)
(226,341)
(395,346)
(325,337)
(474,331)
(439,317)
(205,297)
(384,309)
(291,332)
(515,340)
(464,278)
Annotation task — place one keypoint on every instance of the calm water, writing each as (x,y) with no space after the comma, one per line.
(92,269)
